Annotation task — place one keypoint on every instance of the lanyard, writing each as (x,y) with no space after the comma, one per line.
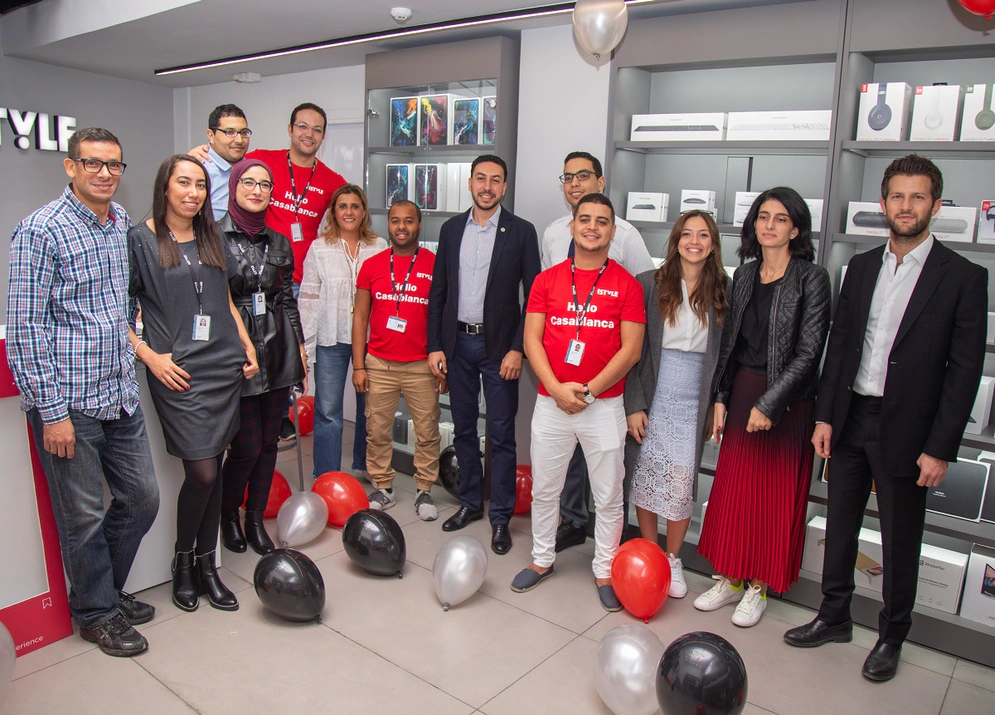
(197,278)
(293,184)
(397,288)
(582,312)
(257,272)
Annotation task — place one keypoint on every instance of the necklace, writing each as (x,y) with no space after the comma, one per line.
(770,275)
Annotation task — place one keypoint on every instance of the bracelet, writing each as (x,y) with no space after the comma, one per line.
(139,344)
(357,369)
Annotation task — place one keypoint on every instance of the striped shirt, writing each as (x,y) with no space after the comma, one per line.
(67,312)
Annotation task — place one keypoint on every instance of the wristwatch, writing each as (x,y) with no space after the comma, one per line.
(588,397)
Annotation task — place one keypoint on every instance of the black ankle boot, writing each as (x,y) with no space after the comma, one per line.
(211,586)
(186,595)
(255,533)
(231,533)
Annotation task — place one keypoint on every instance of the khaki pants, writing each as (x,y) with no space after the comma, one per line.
(388,381)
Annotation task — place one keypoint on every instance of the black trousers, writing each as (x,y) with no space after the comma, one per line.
(857,459)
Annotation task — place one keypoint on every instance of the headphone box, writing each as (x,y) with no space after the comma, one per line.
(647,206)
(978,124)
(866,218)
(986,222)
(710,126)
(934,114)
(979,587)
(883,114)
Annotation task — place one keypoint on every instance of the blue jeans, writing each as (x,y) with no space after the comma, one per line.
(330,369)
(99,547)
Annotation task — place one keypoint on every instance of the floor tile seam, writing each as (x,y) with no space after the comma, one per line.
(945,694)
(970,682)
(179,697)
(52,665)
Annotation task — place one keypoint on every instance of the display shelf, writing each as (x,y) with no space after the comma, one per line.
(957,150)
(770,148)
(434,149)
(880,240)
(426,213)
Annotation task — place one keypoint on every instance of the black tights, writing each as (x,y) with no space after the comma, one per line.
(198,508)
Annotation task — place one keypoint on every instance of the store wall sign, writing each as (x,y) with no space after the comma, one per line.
(51,132)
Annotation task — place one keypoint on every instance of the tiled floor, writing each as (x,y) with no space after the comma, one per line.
(385,646)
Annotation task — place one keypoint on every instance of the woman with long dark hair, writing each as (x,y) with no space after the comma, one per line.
(197,353)
(668,393)
(765,385)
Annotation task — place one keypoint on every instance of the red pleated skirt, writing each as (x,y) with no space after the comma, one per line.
(755,522)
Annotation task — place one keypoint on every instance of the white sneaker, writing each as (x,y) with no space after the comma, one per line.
(718,595)
(425,507)
(381,499)
(750,609)
(678,587)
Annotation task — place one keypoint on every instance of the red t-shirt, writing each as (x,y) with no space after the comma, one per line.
(617,297)
(312,210)
(375,277)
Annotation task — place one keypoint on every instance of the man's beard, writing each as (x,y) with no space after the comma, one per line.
(913,231)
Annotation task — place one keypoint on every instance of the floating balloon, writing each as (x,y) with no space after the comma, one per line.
(279,492)
(459,570)
(7,657)
(289,584)
(523,489)
(625,675)
(343,495)
(979,7)
(449,471)
(641,577)
(305,414)
(599,25)
(374,542)
(701,672)
(301,519)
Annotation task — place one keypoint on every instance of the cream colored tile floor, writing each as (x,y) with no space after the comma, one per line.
(385,646)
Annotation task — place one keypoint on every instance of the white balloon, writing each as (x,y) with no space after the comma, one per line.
(301,519)
(625,674)
(459,570)
(7,657)
(599,25)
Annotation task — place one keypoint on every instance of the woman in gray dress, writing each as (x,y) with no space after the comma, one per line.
(668,392)
(197,353)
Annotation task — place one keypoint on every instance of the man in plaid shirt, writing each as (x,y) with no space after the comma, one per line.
(68,348)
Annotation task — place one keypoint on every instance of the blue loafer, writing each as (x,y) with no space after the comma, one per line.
(609,601)
(527,579)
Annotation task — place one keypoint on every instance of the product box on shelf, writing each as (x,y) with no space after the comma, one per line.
(866,218)
(803,125)
(411,434)
(647,206)
(429,186)
(453,187)
(815,208)
(982,409)
(935,113)
(991,328)
(488,119)
(883,114)
(951,223)
(978,124)
(434,125)
(962,491)
(744,202)
(698,199)
(465,200)
(988,503)
(986,222)
(398,185)
(400,433)
(678,127)
(979,587)
(404,121)
(446,434)
(466,120)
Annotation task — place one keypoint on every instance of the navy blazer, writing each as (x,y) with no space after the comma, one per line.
(514,265)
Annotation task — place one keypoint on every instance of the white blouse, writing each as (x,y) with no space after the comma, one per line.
(689,334)
(328,290)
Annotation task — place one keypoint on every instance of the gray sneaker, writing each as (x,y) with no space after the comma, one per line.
(425,507)
(381,499)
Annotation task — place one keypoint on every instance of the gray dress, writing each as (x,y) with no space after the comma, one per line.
(200,422)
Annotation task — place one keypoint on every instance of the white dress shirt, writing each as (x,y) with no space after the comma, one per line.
(627,248)
(892,292)
(689,334)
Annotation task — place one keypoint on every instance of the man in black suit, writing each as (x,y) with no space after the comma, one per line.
(902,370)
(487,258)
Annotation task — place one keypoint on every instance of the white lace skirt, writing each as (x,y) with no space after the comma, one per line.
(664,475)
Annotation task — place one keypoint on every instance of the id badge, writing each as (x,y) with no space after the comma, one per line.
(575,352)
(396,324)
(259,303)
(296,232)
(202,327)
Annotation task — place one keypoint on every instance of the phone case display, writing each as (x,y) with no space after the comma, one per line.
(884,111)
(986,222)
(978,124)
(807,125)
(678,127)
(428,186)
(979,586)
(433,117)
(398,183)
(404,121)
(962,491)
(488,122)
(466,121)
(934,115)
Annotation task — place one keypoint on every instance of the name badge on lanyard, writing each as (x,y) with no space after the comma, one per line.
(396,324)
(202,327)
(296,232)
(575,349)
(575,352)
(259,303)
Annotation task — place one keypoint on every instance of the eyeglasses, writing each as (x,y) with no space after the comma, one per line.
(580,176)
(317,131)
(231,133)
(95,166)
(250,184)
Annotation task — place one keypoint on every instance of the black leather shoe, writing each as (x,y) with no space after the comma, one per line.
(569,534)
(500,539)
(882,662)
(231,532)
(255,533)
(461,518)
(186,595)
(135,612)
(116,637)
(210,584)
(818,632)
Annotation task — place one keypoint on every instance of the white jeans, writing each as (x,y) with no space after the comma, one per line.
(600,429)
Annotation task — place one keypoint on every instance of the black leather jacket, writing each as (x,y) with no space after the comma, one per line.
(799,324)
(276,334)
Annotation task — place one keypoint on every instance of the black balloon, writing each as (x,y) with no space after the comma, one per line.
(449,471)
(701,673)
(375,542)
(289,584)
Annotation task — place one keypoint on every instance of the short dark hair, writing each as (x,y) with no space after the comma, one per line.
(493,159)
(222,111)
(801,245)
(90,134)
(598,171)
(914,165)
(595,198)
(406,202)
(314,108)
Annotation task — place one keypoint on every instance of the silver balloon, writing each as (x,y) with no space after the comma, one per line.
(459,570)
(301,519)
(599,25)
(625,674)
(7,657)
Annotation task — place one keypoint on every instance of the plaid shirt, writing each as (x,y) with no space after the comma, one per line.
(67,312)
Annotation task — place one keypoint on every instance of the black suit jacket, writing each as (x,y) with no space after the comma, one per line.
(935,365)
(514,263)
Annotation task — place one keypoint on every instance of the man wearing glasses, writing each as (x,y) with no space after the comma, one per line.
(228,138)
(68,312)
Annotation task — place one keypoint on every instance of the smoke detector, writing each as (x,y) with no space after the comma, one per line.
(247,77)
(401,14)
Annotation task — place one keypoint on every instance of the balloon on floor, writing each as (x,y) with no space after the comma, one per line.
(523,489)
(279,492)
(301,519)
(343,494)
(374,542)
(701,672)
(449,471)
(290,585)
(7,657)
(625,673)
(641,577)
(305,415)
(459,570)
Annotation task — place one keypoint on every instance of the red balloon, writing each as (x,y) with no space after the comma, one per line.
(279,492)
(641,577)
(523,489)
(979,7)
(343,494)
(305,410)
